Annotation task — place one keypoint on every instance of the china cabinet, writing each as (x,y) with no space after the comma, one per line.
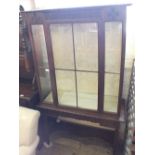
(79,56)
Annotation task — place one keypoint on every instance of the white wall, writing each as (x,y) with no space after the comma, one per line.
(48,4)
(27,4)
(130,48)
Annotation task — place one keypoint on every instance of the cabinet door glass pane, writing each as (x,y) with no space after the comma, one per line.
(87,85)
(42,60)
(110,103)
(86,46)
(113,39)
(65,81)
(111,92)
(62,44)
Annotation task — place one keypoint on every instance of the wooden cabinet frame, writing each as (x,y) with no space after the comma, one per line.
(99,15)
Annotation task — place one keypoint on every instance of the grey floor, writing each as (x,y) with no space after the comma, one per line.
(64,143)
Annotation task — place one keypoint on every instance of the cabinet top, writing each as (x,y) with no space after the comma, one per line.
(93,13)
(78,8)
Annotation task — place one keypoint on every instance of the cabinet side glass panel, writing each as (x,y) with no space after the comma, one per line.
(113,45)
(42,62)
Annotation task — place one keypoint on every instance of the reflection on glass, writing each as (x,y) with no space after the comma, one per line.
(111,92)
(86,46)
(42,60)
(87,84)
(49,98)
(65,81)
(62,43)
(113,40)
(40,45)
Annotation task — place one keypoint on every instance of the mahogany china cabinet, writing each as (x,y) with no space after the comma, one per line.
(79,56)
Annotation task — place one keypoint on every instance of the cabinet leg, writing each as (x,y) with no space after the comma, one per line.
(115,144)
(119,138)
(44,132)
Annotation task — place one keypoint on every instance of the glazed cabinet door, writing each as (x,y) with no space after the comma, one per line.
(75,53)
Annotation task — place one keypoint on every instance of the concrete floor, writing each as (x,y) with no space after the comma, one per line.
(65,143)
